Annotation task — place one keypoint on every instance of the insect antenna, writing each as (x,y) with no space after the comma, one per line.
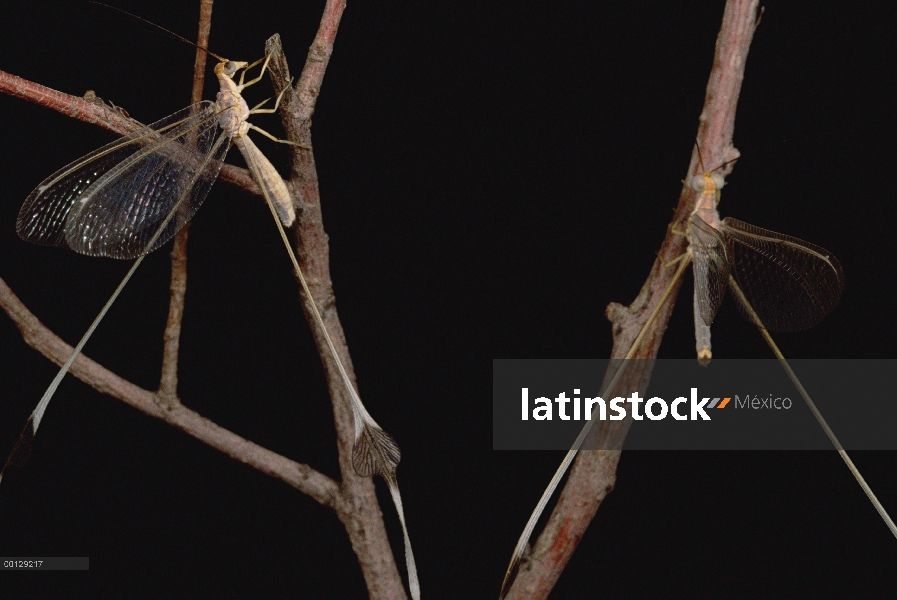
(700,158)
(701,161)
(160,28)
(728,162)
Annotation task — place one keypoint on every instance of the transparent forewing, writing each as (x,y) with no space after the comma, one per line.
(98,204)
(791,284)
(711,264)
(42,218)
(140,203)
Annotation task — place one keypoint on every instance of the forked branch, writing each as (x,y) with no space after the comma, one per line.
(353,499)
(38,336)
(593,474)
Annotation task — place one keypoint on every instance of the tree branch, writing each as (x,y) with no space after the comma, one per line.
(594,473)
(168,382)
(300,476)
(97,113)
(365,523)
(354,500)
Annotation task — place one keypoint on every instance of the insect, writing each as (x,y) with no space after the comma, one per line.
(780,283)
(130,197)
(790,284)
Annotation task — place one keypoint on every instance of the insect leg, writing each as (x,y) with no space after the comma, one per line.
(278,140)
(676,260)
(258,110)
(257,79)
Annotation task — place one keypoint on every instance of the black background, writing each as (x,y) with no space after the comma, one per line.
(492,176)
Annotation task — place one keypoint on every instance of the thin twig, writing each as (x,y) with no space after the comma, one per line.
(202,41)
(594,473)
(300,476)
(168,382)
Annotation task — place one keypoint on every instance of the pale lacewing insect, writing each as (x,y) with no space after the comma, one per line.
(130,197)
(780,283)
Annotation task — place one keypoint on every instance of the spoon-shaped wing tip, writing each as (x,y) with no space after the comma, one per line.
(375,452)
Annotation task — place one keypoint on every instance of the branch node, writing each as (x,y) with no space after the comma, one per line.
(167,402)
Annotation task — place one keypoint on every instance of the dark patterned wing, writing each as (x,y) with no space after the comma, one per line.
(375,452)
(142,188)
(790,283)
